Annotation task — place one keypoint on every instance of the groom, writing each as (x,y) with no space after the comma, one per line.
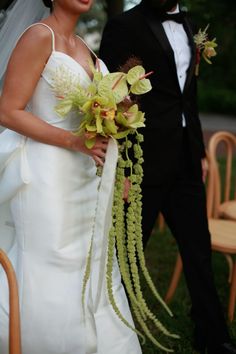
(158,33)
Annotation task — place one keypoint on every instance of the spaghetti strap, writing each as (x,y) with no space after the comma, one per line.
(87,46)
(43,24)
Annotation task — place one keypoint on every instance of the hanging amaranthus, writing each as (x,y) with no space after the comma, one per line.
(126,235)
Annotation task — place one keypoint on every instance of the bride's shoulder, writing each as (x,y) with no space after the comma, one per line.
(37,35)
(34,45)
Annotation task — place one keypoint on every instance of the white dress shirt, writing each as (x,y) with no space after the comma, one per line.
(179,42)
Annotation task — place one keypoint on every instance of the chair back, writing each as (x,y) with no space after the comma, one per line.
(14,313)
(220,190)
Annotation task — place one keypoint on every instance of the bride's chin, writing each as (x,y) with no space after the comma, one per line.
(83,5)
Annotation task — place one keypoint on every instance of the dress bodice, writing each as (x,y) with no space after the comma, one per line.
(44,94)
(43,101)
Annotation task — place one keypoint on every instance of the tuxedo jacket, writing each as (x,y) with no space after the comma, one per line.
(140,33)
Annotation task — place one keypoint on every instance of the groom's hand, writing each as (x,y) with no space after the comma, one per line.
(205,168)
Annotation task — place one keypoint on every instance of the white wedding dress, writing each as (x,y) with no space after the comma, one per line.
(51,203)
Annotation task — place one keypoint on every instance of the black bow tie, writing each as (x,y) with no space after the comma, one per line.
(177,17)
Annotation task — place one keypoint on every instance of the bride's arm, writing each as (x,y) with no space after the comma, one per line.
(23,73)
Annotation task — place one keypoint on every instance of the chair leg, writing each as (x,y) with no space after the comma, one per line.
(175,279)
(231,264)
(14,313)
(232,296)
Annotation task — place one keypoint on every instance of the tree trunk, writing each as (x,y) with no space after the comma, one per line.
(114,7)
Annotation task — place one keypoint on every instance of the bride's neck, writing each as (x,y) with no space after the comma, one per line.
(65,23)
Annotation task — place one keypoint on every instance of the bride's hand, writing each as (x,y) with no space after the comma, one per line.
(97,152)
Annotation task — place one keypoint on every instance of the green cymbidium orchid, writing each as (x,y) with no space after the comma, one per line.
(131,119)
(99,114)
(209,50)
(135,118)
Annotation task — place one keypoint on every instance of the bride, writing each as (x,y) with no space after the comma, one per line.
(50,201)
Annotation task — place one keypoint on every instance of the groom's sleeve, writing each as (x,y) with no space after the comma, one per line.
(116,44)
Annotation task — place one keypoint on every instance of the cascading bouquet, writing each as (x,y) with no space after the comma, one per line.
(109,108)
(205,47)
(105,104)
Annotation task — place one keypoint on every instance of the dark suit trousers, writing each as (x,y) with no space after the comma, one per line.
(182,201)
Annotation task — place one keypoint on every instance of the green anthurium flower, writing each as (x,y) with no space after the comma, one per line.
(136,78)
(111,102)
(135,74)
(64,107)
(114,84)
(141,86)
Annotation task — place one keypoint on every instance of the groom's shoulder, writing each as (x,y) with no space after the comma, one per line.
(127,17)
(191,19)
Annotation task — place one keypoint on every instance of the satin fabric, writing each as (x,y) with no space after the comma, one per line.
(52,204)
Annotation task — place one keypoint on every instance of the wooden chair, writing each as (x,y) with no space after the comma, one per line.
(219,206)
(223,202)
(14,313)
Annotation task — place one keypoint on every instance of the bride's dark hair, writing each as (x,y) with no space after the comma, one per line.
(48,3)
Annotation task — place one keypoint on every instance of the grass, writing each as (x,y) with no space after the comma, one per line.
(161,255)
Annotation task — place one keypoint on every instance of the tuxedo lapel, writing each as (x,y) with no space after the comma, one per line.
(192,65)
(156,26)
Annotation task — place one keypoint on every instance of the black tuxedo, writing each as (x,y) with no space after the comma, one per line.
(172,168)
(139,33)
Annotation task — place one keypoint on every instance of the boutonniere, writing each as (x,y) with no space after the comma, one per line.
(205,48)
